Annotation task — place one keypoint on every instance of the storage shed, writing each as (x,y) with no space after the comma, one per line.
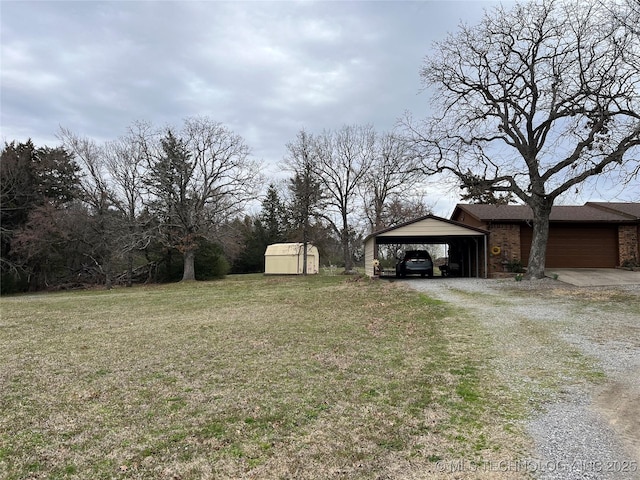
(288,259)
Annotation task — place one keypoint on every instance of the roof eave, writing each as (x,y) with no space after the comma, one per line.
(420,219)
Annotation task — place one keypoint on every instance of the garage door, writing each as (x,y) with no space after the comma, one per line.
(578,246)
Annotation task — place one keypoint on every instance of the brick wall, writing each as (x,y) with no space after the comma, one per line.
(506,236)
(628,243)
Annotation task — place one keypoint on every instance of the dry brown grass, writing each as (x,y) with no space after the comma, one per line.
(250,377)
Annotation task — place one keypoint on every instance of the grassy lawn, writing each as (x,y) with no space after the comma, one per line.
(249,377)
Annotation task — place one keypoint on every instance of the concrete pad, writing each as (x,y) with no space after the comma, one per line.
(595,277)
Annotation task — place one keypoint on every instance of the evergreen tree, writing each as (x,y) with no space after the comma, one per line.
(273,217)
(35,184)
(173,200)
(305,189)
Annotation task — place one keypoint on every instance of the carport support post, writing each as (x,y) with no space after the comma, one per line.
(486,260)
(475,241)
(376,254)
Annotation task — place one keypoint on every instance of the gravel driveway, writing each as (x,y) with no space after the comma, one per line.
(576,352)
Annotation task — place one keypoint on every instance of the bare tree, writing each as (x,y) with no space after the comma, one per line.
(304,187)
(401,210)
(203,175)
(625,13)
(97,193)
(126,159)
(533,101)
(343,159)
(391,178)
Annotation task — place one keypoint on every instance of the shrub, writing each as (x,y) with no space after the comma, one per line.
(210,262)
(515,266)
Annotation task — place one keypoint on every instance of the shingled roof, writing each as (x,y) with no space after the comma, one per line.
(631,209)
(591,212)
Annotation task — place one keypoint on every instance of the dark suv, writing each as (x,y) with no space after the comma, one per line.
(415,262)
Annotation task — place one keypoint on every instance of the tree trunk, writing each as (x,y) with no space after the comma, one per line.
(304,258)
(538,253)
(129,269)
(106,269)
(189,272)
(348,264)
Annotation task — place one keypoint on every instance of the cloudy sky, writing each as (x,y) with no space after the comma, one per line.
(264,69)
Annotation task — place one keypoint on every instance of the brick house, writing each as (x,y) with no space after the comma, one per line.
(594,235)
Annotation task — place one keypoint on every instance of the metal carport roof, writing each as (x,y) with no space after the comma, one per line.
(429,229)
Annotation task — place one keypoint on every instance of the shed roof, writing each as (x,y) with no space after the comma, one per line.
(560,213)
(287,248)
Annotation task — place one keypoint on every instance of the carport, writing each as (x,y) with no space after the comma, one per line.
(466,246)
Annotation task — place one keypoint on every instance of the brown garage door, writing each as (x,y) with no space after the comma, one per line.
(576,246)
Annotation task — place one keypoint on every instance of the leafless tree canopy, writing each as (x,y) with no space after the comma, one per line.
(342,159)
(202,176)
(391,178)
(212,182)
(533,101)
(354,179)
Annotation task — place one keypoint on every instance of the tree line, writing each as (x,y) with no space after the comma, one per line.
(172,204)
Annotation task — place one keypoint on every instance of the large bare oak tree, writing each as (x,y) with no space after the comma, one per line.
(533,101)
(201,176)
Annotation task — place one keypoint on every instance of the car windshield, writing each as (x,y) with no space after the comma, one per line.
(417,255)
